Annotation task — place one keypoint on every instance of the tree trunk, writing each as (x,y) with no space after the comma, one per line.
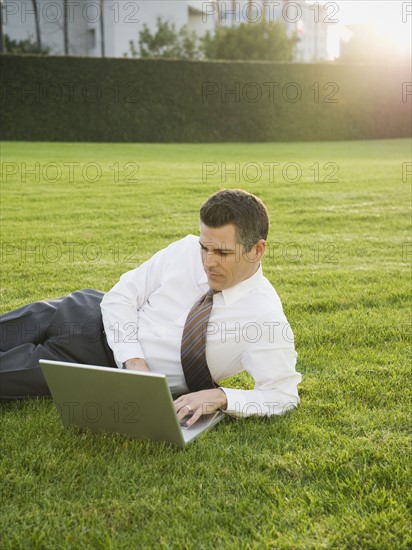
(37,22)
(102,45)
(249,10)
(3,48)
(66,27)
(217,18)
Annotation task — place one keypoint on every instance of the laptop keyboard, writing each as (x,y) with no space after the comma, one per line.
(183,422)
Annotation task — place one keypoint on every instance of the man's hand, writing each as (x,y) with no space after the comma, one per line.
(136,364)
(200,403)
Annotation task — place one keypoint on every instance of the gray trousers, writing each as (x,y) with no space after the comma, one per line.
(62,329)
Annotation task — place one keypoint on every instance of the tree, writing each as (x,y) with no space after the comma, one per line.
(219,12)
(102,38)
(249,9)
(23,47)
(266,41)
(166,42)
(37,23)
(2,35)
(65,27)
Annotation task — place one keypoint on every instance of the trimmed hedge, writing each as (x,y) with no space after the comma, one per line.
(121,100)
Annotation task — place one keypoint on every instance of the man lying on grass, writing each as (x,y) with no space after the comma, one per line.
(198,311)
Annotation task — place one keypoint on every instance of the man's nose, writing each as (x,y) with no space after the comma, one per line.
(209,259)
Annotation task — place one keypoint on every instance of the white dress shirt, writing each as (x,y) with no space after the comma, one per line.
(145,312)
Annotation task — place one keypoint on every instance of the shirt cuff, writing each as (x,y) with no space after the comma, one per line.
(121,356)
(241,403)
(231,401)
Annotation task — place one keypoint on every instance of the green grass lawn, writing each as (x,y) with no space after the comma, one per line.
(335,473)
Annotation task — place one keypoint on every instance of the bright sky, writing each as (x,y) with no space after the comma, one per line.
(392,17)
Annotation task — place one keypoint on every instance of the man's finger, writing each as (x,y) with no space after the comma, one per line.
(196,415)
(180,401)
(183,411)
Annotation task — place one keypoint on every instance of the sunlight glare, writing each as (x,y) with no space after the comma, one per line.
(392,19)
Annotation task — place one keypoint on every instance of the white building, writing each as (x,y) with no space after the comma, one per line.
(124,19)
(122,22)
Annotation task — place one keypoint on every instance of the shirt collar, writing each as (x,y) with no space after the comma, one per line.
(232,294)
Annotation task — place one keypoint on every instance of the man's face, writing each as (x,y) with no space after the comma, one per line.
(225,260)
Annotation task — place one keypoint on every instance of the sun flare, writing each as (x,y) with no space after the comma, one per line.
(391,19)
(399,35)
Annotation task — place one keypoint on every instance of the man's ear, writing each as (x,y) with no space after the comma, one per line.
(260,248)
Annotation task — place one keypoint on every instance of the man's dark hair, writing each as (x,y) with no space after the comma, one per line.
(244,210)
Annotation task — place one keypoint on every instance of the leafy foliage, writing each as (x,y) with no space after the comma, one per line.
(175,101)
(266,41)
(166,42)
(17,47)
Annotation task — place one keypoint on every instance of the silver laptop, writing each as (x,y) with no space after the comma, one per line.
(136,404)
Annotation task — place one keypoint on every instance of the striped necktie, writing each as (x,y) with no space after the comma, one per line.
(193,350)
